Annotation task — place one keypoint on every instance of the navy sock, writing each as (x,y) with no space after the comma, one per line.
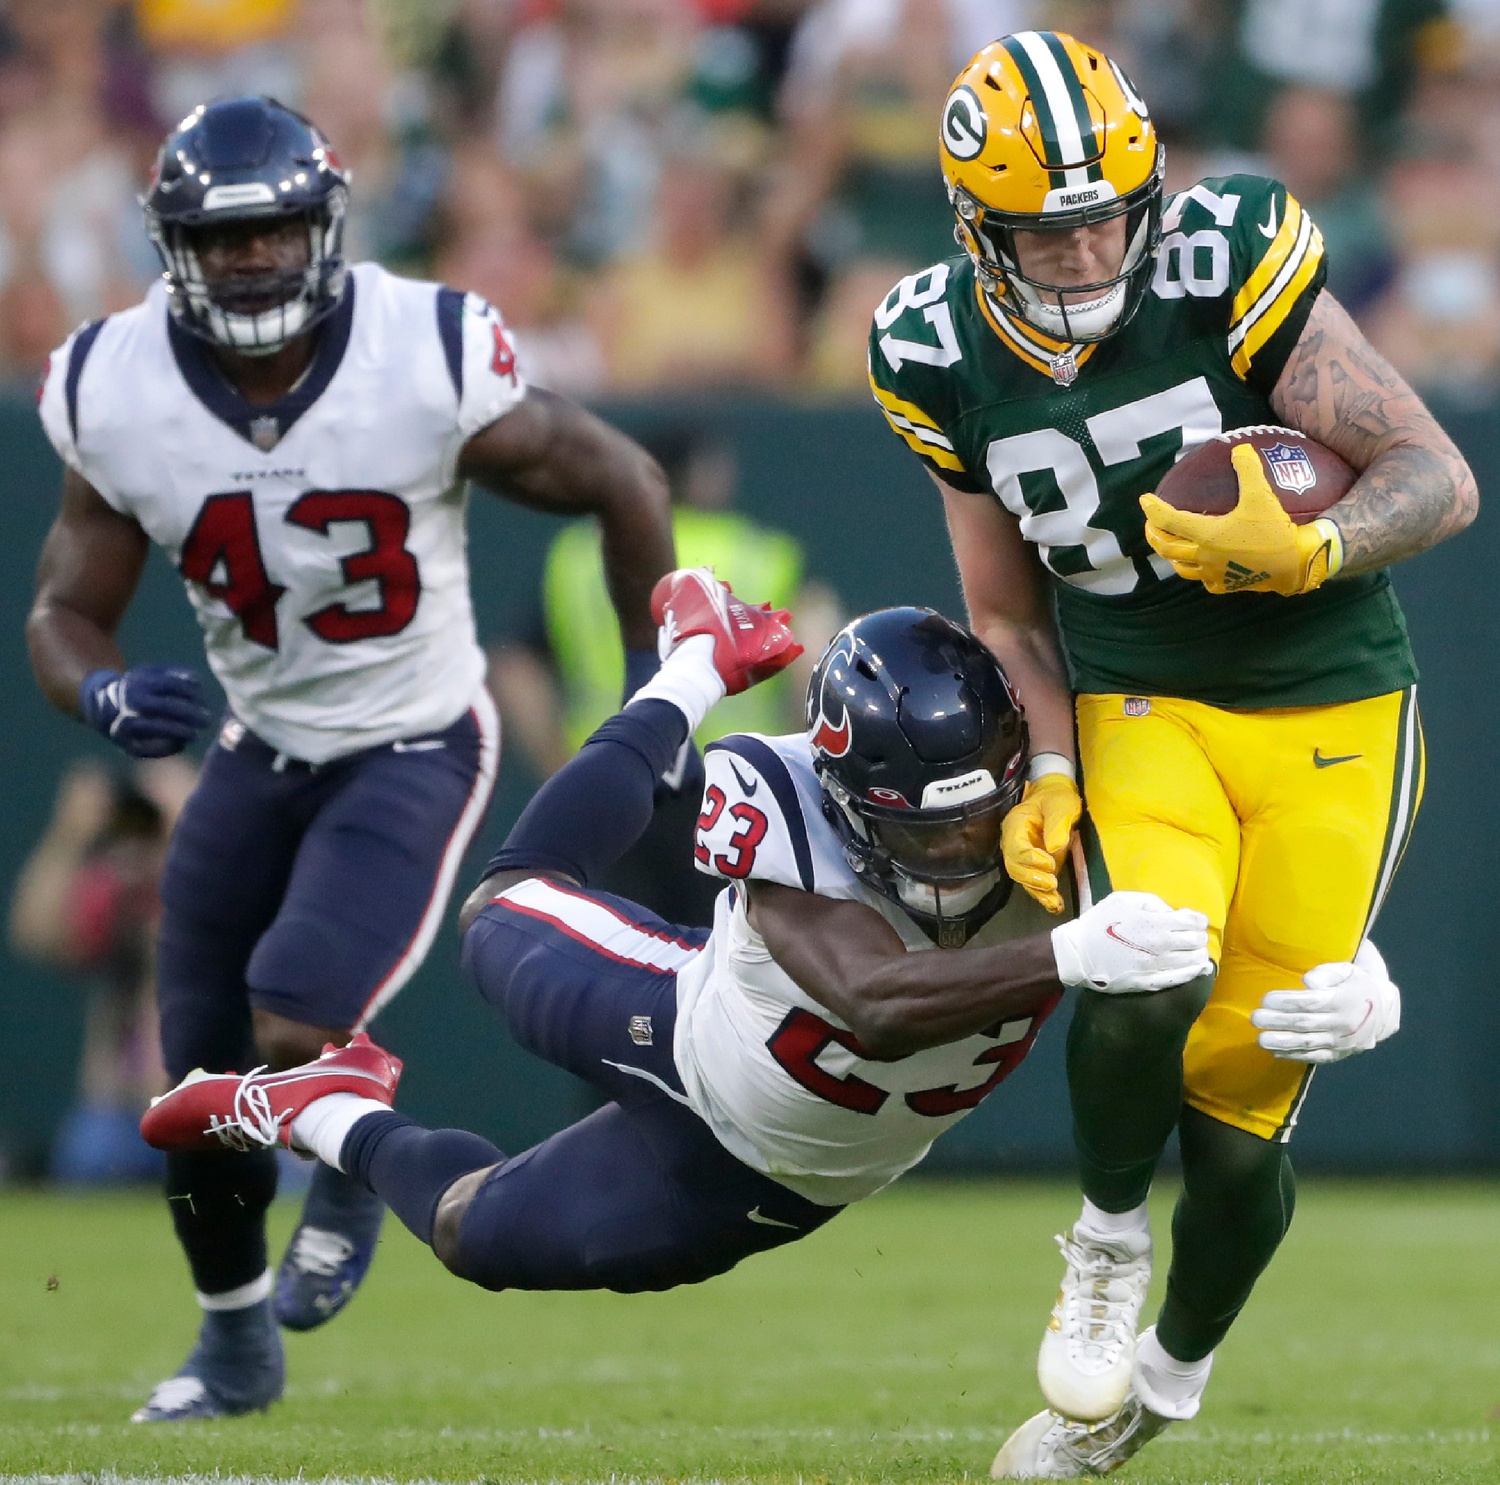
(218,1205)
(409,1167)
(596,806)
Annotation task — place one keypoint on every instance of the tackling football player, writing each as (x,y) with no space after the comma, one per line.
(1245,714)
(796,1057)
(298,434)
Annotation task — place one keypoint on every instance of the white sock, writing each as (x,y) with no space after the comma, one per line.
(239,1299)
(323,1126)
(1096,1222)
(1172,1388)
(688,680)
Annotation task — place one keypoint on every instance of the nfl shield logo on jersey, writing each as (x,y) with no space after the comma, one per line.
(1290,467)
(1064,368)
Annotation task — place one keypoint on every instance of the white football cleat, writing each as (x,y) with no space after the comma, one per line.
(1047,1447)
(1088,1350)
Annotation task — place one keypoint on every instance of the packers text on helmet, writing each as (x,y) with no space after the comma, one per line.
(1042,133)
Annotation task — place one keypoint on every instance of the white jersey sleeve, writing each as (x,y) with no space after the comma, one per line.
(762,818)
(58,402)
(481,362)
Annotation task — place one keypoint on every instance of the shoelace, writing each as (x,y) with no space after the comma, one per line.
(176,1393)
(315,1250)
(251,1124)
(1100,1307)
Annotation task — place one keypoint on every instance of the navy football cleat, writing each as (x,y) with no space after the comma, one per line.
(330,1252)
(236,1367)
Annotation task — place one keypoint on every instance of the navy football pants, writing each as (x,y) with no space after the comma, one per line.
(639,1195)
(314,893)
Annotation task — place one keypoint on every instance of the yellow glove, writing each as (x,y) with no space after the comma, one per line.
(1035,836)
(1255,548)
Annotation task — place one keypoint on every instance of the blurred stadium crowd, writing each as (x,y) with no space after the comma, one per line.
(666,194)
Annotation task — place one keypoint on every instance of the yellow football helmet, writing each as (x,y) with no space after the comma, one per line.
(1043,133)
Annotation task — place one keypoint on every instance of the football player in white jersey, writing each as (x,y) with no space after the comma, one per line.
(298,434)
(869,977)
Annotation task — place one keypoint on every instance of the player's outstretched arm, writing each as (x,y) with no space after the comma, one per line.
(1340,1009)
(552,455)
(1415,488)
(88,571)
(849,959)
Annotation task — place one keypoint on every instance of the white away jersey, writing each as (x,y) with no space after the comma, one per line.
(321,539)
(782,1082)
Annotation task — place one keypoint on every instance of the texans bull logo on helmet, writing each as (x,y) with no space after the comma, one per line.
(829,736)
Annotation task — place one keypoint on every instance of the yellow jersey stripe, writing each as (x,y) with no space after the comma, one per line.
(1037,341)
(1038,358)
(1268,323)
(945,458)
(894,404)
(922,435)
(1289,268)
(1270,265)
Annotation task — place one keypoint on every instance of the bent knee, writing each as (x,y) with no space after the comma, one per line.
(1163,1017)
(281,1043)
(447,1223)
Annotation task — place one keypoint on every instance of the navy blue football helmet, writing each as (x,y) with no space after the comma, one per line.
(921,748)
(242,160)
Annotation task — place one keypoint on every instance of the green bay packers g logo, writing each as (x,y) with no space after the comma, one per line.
(964,125)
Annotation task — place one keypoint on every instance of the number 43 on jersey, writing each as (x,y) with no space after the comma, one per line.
(222,554)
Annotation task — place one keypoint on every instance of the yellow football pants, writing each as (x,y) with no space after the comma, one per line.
(1284,826)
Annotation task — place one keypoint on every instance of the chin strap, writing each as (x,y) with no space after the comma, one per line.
(953,932)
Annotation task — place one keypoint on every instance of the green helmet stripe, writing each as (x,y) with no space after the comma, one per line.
(1052,156)
(1091,145)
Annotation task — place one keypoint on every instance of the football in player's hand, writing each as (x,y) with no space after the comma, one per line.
(1304,475)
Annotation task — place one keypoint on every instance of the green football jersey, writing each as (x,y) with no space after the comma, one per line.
(1068,439)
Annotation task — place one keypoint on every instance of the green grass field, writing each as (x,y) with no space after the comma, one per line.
(896,1344)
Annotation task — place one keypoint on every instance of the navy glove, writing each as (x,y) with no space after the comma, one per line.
(150,711)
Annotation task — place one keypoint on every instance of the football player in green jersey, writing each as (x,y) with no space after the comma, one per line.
(1235,694)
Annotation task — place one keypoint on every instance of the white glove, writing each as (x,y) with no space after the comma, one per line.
(1342,1009)
(1132,941)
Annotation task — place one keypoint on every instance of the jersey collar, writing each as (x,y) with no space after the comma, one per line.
(263,425)
(1053,358)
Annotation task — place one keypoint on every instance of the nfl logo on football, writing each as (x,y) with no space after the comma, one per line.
(1290,467)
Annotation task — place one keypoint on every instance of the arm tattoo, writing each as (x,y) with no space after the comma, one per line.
(1414,489)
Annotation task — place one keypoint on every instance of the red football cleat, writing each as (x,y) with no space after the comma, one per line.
(751,642)
(209,1111)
